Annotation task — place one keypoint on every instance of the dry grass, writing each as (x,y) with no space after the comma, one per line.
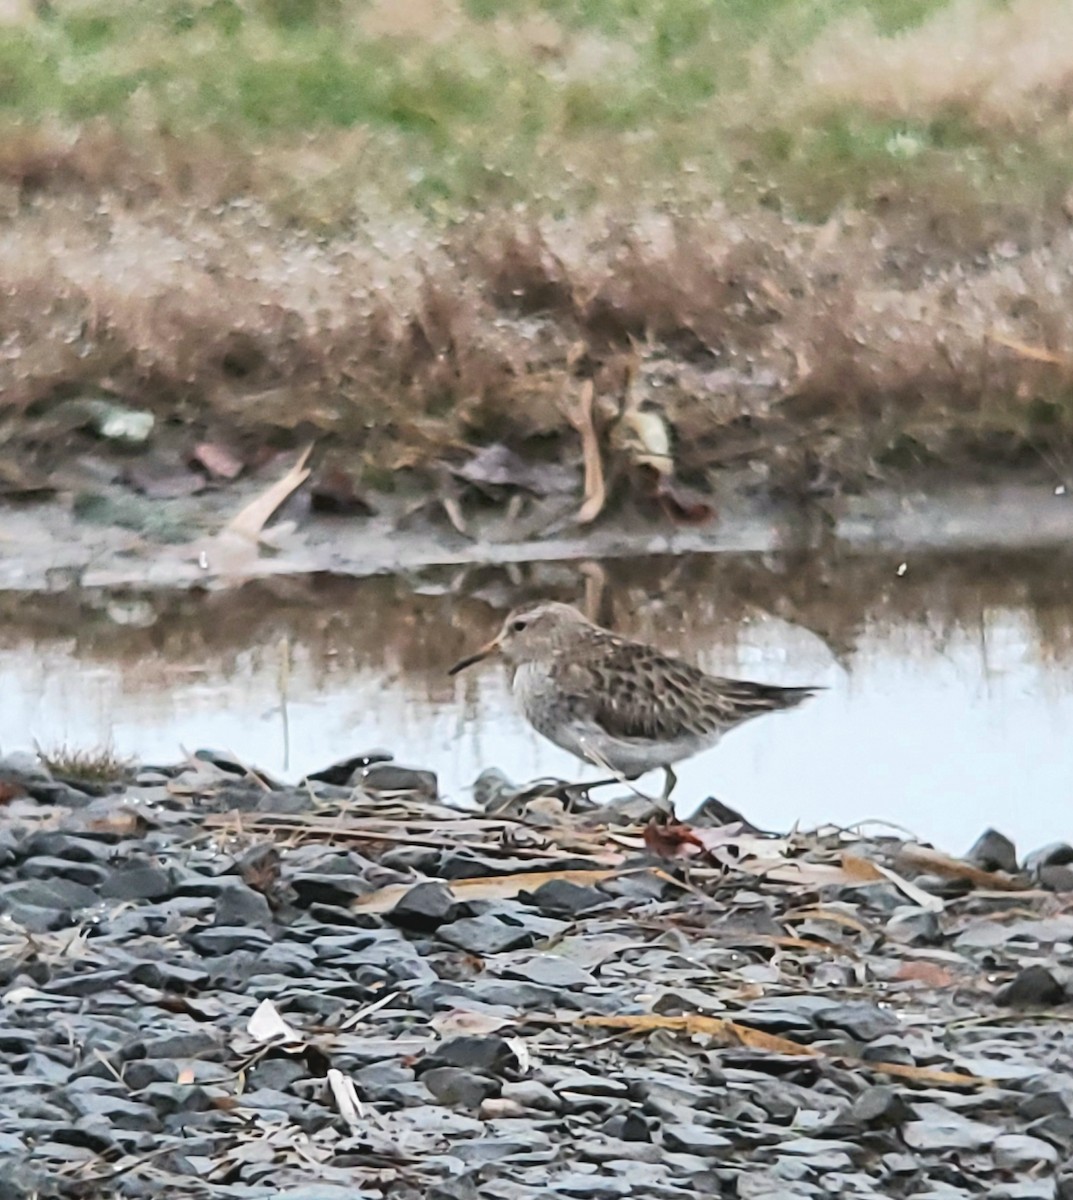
(411,228)
(100,765)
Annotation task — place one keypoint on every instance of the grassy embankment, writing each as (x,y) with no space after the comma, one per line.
(837,236)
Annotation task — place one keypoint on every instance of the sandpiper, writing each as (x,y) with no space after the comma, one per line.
(616,703)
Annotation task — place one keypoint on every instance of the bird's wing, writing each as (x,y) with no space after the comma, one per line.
(633,691)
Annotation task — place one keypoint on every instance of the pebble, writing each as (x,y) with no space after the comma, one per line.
(135,953)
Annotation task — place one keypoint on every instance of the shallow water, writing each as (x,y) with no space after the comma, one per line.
(948,708)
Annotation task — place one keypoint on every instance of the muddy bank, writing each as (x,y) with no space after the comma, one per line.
(725,353)
(228,987)
(137,542)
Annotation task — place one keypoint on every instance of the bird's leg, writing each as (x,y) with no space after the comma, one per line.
(669,782)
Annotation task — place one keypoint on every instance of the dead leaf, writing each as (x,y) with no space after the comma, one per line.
(581,417)
(266,1025)
(217,460)
(251,520)
(1034,353)
(826,914)
(735,1034)
(943,864)
(346,1098)
(490,887)
(929,973)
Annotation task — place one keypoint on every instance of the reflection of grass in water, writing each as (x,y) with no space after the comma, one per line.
(99,765)
(684,605)
(487,103)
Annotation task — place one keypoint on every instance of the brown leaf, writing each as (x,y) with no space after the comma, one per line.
(672,839)
(942,864)
(581,417)
(1034,353)
(486,887)
(251,520)
(217,460)
(735,1034)
(928,973)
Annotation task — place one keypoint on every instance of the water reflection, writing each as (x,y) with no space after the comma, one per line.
(948,708)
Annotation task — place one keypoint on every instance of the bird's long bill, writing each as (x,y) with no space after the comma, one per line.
(481,654)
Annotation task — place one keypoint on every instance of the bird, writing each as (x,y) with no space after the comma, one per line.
(620,704)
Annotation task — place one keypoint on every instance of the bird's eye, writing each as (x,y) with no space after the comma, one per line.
(517,626)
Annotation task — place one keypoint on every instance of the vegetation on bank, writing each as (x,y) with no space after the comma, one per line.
(825,237)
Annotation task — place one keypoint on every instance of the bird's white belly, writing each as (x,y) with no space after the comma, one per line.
(545,711)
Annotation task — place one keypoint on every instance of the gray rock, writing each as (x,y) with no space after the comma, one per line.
(114,1110)
(863,1021)
(484,935)
(915,927)
(393,777)
(551,970)
(562,898)
(1031,986)
(993,851)
(424,907)
(488,1054)
(1056,877)
(1019,1152)
(227,939)
(90,874)
(241,905)
(1054,854)
(940,1129)
(456,1087)
(56,895)
(695,1139)
(530,1093)
(139,881)
(878,1107)
(328,888)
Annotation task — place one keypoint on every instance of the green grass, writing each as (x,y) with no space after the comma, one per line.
(497,101)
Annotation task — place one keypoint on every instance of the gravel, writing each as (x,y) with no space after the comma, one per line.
(224,987)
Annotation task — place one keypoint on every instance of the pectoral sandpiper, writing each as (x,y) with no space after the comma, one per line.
(616,703)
